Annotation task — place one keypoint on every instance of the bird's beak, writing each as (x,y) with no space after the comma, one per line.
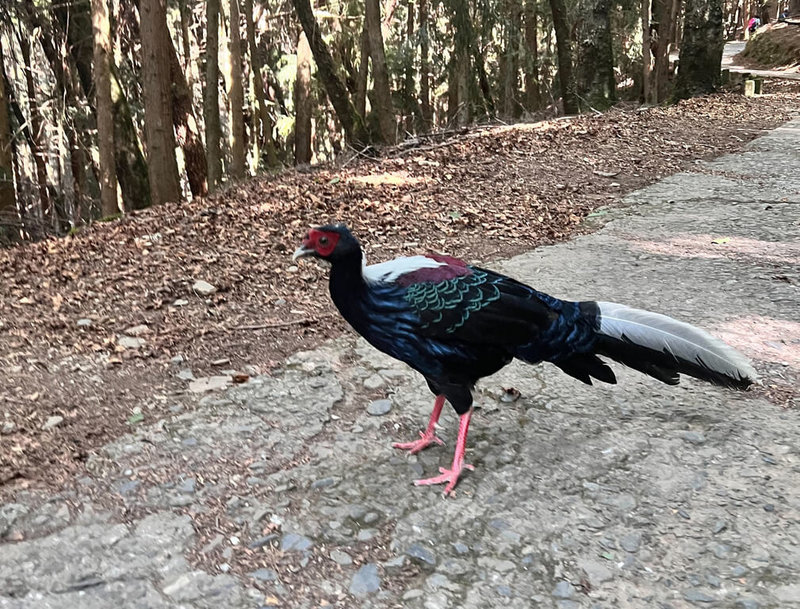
(301,251)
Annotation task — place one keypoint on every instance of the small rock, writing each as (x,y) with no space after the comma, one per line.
(8,427)
(234,540)
(366,534)
(769,507)
(51,422)
(693,437)
(292,542)
(379,408)
(84,323)
(738,570)
(180,302)
(631,542)
(371,518)
(420,554)
(177,359)
(694,595)
(209,383)
(563,589)
(131,342)
(186,375)
(264,575)
(224,567)
(746,603)
(323,483)
(719,526)
(366,581)
(223,361)
(375,381)
(186,486)
(394,565)
(596,572)
(684,514)
(341,558)
(460,548)
(137,330)
(203,288)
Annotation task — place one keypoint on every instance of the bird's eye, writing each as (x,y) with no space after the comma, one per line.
(323,240)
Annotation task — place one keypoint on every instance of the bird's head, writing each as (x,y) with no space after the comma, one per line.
(332,242)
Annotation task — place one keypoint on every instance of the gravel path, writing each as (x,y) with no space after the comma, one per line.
(284,491)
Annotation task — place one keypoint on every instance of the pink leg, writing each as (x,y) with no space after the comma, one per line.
(450,476)
(428,436)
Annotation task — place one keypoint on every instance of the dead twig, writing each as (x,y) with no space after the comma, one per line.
(282,324)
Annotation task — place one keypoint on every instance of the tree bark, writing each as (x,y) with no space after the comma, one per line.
(701,49)
(380,75)
(363,75)
(156,86)
(513,30)
(532,93)
(647,96)
(424,68)
(460,103)
(186,129)
(264,118)
(8,197)
(211,97)
(105,115)
(352,123)
(302,103)
(660,74)
(236,97)
(410,107)
(39,150)
(595,79)
(566,81)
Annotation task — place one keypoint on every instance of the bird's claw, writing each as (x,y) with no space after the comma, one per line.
(426,439)
(448,476)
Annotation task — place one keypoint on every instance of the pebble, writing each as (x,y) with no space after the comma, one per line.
(693,437)
(84,323)
(180,302)
(631,542)
(366,581)
(460,548)
(187,486)
(738,570)
(341,558)
(698,596)
(203,288)
(719,526)
(137,330)
(563,589)
(420,554)
(224,567)
(131,342)
(746,603)
(292,542)
(234,540)
(51,422)
(379,408)
(376,381)
(684,514)
(769,507)
(186,374)
(264,575)
(394,565)
(323,483)
(366,534)
(8,427)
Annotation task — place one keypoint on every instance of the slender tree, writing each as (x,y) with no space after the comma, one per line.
(566,81)
(424,68)
(382,99)
(8,199)
(647,96)
(236,97)
(595,79)
(156,86)
(510,73)
(352,122)
(104,108)
(211,96)
(302,103)
(701,49)
(532,91)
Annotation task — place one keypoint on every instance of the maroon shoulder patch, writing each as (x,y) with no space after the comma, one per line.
(452,268)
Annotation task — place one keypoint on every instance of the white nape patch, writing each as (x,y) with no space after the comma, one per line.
(391,270)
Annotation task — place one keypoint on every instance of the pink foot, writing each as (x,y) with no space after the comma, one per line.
(426,439)
(449,476)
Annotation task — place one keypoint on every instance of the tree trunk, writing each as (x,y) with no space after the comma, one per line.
(460,102)
(532,94)
(186,129)
(701,49)
(39,149)
(647,96)
(424,68)
(75,23)
(264,118)
(105,115)
(8,198)
(513,29)
(363,75)
(211,97)
(236,97)
(660,80)
(410,107)
(352,123)
(382,94)
(156,86)
(302,103)
(595,79)
(566,81)
(186,41)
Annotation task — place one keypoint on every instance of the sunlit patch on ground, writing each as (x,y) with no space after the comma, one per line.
(393,178)
(764,338)
(716,246)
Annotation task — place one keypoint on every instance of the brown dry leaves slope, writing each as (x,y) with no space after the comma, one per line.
(489,193)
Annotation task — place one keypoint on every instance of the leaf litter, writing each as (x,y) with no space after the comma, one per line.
(212,281)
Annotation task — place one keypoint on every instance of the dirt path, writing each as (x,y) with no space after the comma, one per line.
(283,492)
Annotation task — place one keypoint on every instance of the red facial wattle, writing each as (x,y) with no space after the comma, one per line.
(321,242)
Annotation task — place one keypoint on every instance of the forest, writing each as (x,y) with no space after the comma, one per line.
(110,106)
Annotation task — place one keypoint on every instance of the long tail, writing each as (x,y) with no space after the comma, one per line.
(663,348)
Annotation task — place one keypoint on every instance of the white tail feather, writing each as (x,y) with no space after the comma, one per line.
(682,340)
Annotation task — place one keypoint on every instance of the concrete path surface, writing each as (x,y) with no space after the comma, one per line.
(729,62)
(284,491)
